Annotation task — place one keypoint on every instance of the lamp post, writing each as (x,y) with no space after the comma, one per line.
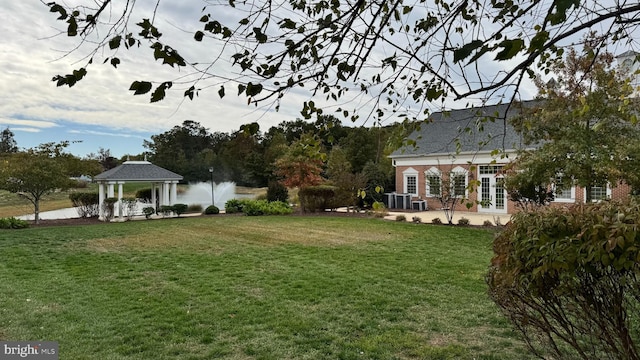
(212,199)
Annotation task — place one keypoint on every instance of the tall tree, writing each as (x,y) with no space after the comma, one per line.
(104,158)
(585,125)
(34,173)
(7,142)
(301,165)
(242,157)
(183,150)
(400,54)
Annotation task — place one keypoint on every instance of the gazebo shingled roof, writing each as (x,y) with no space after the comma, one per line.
(138,171)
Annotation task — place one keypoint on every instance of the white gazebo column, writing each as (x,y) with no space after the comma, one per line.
(174,193)
(110,190)
(165,193)
(119,210)
(100,200)
(153,196)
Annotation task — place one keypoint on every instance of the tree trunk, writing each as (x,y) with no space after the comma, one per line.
(36,210)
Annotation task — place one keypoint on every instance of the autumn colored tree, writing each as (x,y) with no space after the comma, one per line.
(301,165)
(585,129)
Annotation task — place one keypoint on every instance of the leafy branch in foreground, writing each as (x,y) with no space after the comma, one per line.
(399,54)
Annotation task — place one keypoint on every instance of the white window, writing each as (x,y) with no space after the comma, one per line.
(412,185)
(433,182)
(563,190)
(599,192)
(410,181)
(458,180)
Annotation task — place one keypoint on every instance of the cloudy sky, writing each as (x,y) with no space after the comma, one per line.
(100,111)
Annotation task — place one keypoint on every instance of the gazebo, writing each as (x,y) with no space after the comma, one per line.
(138,171)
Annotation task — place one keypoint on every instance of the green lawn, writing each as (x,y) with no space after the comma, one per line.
(234,287)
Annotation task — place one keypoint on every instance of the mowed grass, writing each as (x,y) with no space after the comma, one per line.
(233,287)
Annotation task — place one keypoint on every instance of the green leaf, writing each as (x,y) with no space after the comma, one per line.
(72,30)
(160,91)
(114,43)
(115,62)
(59,9)
(199,35)
(466,50)
(253,89)
(287,24)
(510,48)
(190,92)
(221,92)
(260,36)
(538,41)
(140,87)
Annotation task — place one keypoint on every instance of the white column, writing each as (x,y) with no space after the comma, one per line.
(110,190)
(119,210)
(174,193)
(153,195)
(100,200)
(165,193)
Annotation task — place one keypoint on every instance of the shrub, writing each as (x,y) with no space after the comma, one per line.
(436,221)
(212,210)
(108,207)
(233,206)
(569,279)
(13,223)
(144,195)
(258,207)
(401,218)
(463,221)
(166,210)
(129,207)
(277,208)
(379,208)
(254,208)
(277,192)
(317,198)
(179,209)
(416,220)
(87,204)
(148,211)
(487,223)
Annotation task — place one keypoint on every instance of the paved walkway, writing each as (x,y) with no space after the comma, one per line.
(425,216)
(475,218)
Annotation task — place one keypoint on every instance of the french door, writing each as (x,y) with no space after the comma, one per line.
(492,193)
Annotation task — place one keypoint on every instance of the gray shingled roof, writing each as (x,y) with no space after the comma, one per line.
(138,171)
(441,134)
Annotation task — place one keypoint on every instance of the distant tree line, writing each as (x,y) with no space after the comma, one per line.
(251,157)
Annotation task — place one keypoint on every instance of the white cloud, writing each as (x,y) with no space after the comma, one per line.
(103,133)
(33,124)
(26,129)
